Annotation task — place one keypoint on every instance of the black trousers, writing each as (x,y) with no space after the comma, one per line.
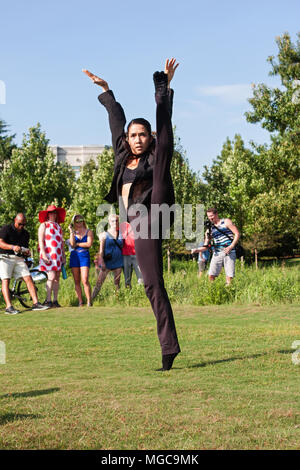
(149,250)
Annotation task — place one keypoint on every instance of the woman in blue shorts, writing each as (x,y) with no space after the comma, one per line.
(81,239)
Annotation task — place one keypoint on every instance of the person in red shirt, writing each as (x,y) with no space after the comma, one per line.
(129,256)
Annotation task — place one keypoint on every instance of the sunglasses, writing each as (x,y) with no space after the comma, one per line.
(21,225)
(79,220)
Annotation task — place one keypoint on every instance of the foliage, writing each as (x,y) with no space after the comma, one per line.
(188,189)
(217,194)
(32,180)
(271,283)
(276,206)
(6,144)
(275,108)
(90,190)
(259,187)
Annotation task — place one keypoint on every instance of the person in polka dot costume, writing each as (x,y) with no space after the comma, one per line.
(51,246)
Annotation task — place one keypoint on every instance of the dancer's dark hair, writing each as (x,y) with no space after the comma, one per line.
(142,122)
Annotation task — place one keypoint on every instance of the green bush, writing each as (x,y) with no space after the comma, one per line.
(270,284)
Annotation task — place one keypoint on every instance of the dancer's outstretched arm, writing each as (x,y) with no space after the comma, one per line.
(164,100)
(117,119)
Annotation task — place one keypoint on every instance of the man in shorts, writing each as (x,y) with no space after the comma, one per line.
(13,239)
(224,236)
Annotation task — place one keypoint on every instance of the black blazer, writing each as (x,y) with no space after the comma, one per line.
(140,191)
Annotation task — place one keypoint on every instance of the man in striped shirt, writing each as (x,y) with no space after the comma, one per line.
(224,236)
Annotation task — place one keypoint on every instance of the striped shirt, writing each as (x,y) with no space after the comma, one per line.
(221,240)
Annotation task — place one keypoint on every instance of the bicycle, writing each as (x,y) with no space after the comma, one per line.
(20,291)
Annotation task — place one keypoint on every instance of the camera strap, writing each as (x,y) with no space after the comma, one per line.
(221,231)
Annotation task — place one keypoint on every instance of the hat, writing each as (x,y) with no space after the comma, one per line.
(61,214)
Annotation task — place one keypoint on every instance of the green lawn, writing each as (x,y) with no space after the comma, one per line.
(78,378)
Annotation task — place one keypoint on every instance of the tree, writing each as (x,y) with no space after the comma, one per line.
(188,189)
(32,180)
(6,144)
(92,186)
(216,194)
(276,109)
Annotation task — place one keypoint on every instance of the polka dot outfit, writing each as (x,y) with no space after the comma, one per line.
(53,247)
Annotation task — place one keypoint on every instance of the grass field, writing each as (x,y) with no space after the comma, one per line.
(78,378)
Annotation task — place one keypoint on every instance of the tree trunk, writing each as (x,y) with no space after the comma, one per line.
(256,260)
(169,259)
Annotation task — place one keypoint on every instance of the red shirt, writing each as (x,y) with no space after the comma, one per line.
(128,239)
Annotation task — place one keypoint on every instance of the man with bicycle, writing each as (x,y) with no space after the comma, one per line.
(14,247)
(224,235)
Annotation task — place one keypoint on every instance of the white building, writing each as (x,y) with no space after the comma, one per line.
(76,155)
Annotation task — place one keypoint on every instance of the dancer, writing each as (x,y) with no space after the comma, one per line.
(142,175)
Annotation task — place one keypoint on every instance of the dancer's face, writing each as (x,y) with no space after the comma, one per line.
(138,139)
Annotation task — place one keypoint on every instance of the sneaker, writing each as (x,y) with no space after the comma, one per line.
(55,304)
(39,306)
(11,310)
(48,303)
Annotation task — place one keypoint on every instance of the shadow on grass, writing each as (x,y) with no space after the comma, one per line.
(239,358)
(31,393)
(10,417)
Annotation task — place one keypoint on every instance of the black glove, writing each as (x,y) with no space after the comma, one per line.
(160,82)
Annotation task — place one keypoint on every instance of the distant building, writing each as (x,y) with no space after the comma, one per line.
(76,155)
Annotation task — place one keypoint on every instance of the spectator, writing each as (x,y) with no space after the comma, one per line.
(14,247)
(224,236)
(110,257)
(203,257)
(81,240)
(52,252)
(129,256)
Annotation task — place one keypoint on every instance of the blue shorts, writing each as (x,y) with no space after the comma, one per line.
(80,259)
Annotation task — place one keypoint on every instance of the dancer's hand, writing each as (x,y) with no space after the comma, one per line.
(170,68)
(97,80)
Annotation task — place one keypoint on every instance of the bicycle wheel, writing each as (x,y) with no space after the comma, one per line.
(39,280)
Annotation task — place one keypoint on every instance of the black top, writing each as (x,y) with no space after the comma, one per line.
(129,175)
(9,234)
(140,191)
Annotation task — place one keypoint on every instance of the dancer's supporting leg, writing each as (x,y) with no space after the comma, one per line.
(149,256)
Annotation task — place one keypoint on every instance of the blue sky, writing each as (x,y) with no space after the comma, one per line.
(222,48)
